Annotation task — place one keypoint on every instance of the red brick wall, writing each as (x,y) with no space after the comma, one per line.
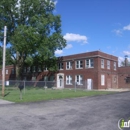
(87,73)
(123,72)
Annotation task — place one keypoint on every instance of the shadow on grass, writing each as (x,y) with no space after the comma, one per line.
(6,94)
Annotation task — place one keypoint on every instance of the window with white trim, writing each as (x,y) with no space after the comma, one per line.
(89,63)
(108,64)
(68,65)
(60,66)
(45,78)
(79,64)
(6,71)
(114,65)
(102,63)
(79,79)
(102,80)
(69,80)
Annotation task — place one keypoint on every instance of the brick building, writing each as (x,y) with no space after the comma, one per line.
(95,69)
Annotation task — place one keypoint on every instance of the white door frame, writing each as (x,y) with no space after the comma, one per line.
(60,80)
(89,84)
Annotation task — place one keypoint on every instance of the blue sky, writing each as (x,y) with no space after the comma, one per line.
(90,25)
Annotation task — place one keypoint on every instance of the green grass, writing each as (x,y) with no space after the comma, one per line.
(40,94)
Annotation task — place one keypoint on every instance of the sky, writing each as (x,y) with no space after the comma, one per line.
(90,25)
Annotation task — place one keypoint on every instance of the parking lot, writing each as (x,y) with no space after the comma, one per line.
(85,113)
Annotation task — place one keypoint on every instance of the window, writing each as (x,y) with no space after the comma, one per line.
(6,71)
(28,69)
(79,79)
(68,80)
(114,65)
(34,68)
(108,64)
(39,69)
(60,66)
(79,64)
(102,63)
(89,63)
(24,69)
(45,69)
(127,79)
(45,78)
(12,71)
(52,78)
(102,79)
(68,65)
(33,78)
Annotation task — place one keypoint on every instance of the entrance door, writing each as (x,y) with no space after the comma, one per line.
(60,81)
(89,84)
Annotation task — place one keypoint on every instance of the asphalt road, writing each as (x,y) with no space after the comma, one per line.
(87,113)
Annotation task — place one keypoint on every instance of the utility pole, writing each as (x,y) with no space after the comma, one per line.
(3,70)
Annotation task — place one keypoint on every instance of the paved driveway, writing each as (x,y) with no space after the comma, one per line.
(87,113)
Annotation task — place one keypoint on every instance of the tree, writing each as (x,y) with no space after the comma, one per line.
(34,32)
(8,57)
(126,62)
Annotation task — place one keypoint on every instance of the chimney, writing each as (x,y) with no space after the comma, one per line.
(126,60)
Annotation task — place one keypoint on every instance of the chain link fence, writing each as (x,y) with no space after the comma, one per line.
(13,84)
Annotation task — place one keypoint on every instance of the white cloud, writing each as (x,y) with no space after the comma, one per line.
(127,27)
(118,32)
(76,38)
(68,46)
(58,52)
(120,59)
(108,47)
(55,2)
(126,52)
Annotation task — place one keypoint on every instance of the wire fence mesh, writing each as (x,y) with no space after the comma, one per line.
(84,85)
(33,88)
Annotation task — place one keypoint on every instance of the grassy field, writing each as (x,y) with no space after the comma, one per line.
(40,94)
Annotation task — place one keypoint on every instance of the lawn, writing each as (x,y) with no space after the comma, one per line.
(40,94)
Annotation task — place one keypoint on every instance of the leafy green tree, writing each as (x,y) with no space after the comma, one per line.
(34,32)
(8,57)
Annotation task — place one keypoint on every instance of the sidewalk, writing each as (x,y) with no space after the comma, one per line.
(5,102)
(116,90)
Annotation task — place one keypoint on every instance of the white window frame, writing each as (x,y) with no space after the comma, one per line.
(79,64)
(114,65)
(79,79)
(102,63)
(108,64)
(6,71)
(68,65)
(102,80)
(68,80)
(90,63)
(45,78)
(60,66)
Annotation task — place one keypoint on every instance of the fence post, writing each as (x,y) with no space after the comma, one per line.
(75,86)
(24,86)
